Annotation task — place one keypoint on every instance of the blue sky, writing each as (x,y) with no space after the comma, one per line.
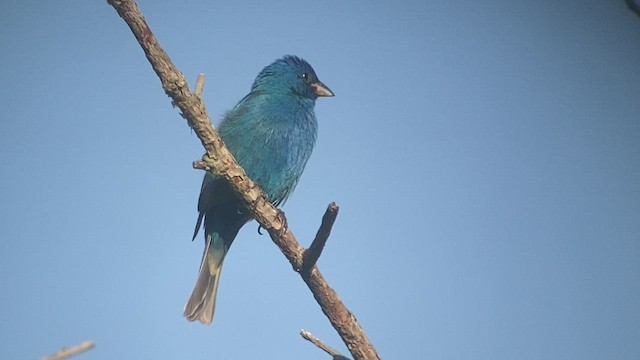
(485,156)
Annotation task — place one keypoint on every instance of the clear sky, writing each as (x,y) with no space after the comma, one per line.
(485,156)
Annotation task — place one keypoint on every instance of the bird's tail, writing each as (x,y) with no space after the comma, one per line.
(202,301)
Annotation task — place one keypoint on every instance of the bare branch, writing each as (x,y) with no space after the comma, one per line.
(219,160)
(317,342)
(199,85)
(68,352)
(633,6)
(314,251)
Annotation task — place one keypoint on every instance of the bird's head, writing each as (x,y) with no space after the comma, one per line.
(290,75)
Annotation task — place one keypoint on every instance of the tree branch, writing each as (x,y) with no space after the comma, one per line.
(633,6)
(199,85)
(68,352)
(218,159)
(314,251)
(317,342)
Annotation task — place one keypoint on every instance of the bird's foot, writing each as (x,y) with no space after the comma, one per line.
(282,219)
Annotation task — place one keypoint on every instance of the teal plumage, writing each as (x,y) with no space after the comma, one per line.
(271,132)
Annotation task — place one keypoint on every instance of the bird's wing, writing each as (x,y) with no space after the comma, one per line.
(206,196)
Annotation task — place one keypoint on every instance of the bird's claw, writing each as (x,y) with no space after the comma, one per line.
(282,219)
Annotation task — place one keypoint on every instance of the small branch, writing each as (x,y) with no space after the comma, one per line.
(218,159)
(633,6)
(314,251)
(68,352)
(199,85)
(201,165)
(317,342)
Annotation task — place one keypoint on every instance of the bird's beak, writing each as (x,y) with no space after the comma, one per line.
(321,89)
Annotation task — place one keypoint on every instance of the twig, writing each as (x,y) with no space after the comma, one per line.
(633,6)
(68,352)
(199,85)
(314,251)
(219,159)
(317,342)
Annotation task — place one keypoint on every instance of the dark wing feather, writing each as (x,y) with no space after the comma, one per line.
(206,196)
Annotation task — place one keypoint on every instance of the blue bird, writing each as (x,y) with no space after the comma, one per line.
(271,133)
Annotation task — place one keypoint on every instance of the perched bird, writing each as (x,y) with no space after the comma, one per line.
(271,133)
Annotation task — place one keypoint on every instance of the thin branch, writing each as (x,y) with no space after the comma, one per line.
(633,6)
(317,342)
(314,251)
(218,159)
(68,352)
(199,85)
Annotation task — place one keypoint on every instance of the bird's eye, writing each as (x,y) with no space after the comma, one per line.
(304,76)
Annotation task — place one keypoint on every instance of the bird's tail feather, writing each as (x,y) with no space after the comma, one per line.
(202,302)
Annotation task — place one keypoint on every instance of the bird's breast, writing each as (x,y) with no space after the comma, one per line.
(273,147)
